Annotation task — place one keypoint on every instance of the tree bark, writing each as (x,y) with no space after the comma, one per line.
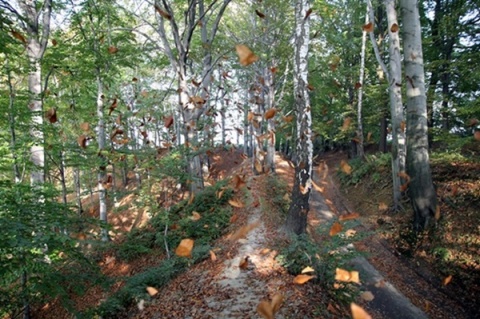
(360,150)
(297,214)
(421,190)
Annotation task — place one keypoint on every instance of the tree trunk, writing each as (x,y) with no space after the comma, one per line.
(396,105)
(297,214)
(11,117)
(421,189)
(360,150)
(270,85)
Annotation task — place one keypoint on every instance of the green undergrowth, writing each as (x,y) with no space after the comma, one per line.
(278,195)
(166,229)
(373,165)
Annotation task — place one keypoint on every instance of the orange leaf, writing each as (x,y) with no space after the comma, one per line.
(346,123)
(288,119)
(273,69)
(195,216)
(112,49)
(236,203)
(335,229)
(437,213)
(260,14)
(270,113)
(164,14)
(394,28)
(152,291)
(276,303)
(349,216)
(185,247)
(403,125)
(265,310)
(447,280)
(245,55)
(238,182)
(233,218)
(243,231)
(301,279)
(368,27)
(213,257)
(347,276)
(358,312)
(250,116)
(85,126)
(347,169)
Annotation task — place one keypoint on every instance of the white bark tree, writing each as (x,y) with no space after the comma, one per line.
(298,211)
(421,190)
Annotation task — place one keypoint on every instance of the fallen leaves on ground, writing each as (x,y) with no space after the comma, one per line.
(335,229)
(301,279)
(185,247)
(358,312)
(347,276)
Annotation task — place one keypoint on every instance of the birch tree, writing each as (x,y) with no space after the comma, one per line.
(298,211)
(421,190)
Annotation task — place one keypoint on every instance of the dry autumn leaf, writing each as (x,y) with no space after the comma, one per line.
(394,28)
(307,269)
(268,309)
(18,36)
(270,113)
(51,115)
(347,276)
(346,123)
(447,280)
(82,141)
(243,263)
(308,13)
(195,216)
(85,126)
(368,27)
(288,118)
(335,229)
(358,312)
(258,166)
(476,135)
(213,257)
(260,14)
(236,203)
(301,279)
(245,55)
(152,291)
(349,216)
(244,230)
(112,49)
(367,296)
(347,169)
(184,249)
(168,121)
(164,14)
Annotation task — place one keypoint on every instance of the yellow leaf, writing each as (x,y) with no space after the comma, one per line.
(195,216)
(213,257)
(185,247)
(347,169)
(307,269)
(335,229)
(245,55)
(236,203)
(152,291)
(301,279)
(358,312)
(347,276)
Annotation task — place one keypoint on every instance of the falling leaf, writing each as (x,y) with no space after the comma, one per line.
(277,302)
(112,49)
(347,169)
(447,280)
(85,126)
(243,231)
(273,69)
(54,42)
(368,27)
(307,269)
(288,119)
(358,312)
(195,216)
(236,203)
(310,87)
(113,106)
(403,125)
(18,36)
(369,136)
(260,14)
(358,85)
(258,166)
(309,12)
(301,279)
(185,247)
(238,182)
(335,229)
(476,135)
(250,116)
(243,263)
(213,257)
(270,113)
(347,276)
(394,28)
(164,14)
(346,123)
(245,55)
(350,233)
(82,141)
(152,291)
(234,218)
(168,121)
(51,115)
(382,206)
(367,296)
(141,304)
(472,122)
(437,213)
(349,216)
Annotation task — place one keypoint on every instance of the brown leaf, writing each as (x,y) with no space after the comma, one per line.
(347,276)
(18,36)
(152,291)
(168,121)
(112,49)
(243,231)
(213,257)
(349,216)
(347,169)
(288,119)
(51,115)
(258,166)
(476,135)
(437,213)
(113,106)
(403,125)
(447,280)
(301,279)
(164,14)
(238,182)
(346,123)
(54,42)
(245,55)
(358,312)
(270,113)
(264,309)
(195,216)
(394,28)
(276,303)
(250,116)
(358,85)
(472,122)
(310,87)
(335,229)
(185,247)
(260,14)
(236,203)
(234,218)
(273,69)
(85,126)
(309,12)
(368,27)
(82,141)
(243,263)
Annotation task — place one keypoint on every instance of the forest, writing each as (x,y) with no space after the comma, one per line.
(240,159)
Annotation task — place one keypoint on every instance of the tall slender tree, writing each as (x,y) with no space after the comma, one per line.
(298,211)
(421,190)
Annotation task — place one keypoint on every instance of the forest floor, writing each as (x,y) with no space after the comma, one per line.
(439,274)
